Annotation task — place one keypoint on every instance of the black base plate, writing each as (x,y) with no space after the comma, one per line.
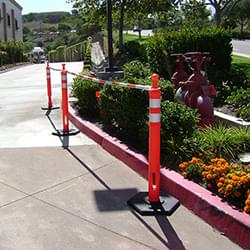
(68,133)
(51,108)
(166,206)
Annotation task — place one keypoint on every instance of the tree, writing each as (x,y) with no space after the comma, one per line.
(241,14)
(94,11)
(63,27)
(195,14)
(220,6)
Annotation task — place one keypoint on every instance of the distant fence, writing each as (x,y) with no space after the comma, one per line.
(76,52)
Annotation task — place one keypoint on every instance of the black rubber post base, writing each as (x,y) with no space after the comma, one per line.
(66,133)
(166,206)
(51,108)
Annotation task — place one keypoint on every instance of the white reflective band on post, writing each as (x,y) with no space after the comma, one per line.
(64,85)
(154,103)
(64,77)
(154,118)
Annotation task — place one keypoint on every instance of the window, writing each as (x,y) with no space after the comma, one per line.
(16,24)
(8,19)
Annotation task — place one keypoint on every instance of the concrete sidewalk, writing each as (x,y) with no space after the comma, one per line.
(74,197)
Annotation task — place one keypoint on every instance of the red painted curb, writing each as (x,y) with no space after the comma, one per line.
(231,222)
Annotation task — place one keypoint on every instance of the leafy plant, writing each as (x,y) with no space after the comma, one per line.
(221,141)
(178,125)
(85,92)
(240,99)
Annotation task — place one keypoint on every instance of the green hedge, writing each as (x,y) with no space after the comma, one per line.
(215,41)
(11,52)
(124,112)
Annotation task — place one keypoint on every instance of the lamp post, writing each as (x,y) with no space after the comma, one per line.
(110,37)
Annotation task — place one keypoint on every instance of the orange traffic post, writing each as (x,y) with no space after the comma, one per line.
(49,90)
(65,107)
(154,140)
(154,202)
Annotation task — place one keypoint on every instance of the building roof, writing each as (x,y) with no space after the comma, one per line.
(16,4)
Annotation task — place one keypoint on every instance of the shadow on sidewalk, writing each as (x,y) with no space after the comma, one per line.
(116,200)
(172,241)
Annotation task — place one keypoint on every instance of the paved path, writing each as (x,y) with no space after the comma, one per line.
(74,198)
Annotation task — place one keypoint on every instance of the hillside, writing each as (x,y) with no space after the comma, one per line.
(50,29)
(46,17)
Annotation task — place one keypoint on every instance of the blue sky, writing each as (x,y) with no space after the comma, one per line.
(44,5)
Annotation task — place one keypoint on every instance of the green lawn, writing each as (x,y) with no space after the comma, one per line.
(240,59)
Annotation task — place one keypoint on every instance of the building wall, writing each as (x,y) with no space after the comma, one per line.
(11,27)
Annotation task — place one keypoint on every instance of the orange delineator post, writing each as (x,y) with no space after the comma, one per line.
(65,108)
(154,140)
(49,91)
(154,202)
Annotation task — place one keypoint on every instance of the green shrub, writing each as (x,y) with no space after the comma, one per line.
(220,141)
(136,72)
(124,110)
(215,41)
(85,92)
(178,125)
(244,112)
(135,50)
(12,52)
(240,99)
(136,69)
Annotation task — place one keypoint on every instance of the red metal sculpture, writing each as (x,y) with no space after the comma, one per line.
(195,91)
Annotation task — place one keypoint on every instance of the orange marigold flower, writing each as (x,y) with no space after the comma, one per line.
(235,178)
(243,180)
(185,174)
(247,209)
(229,187)
(233,183)
(209,177)
(220,190)
(247,202)
(222,179)
(219,184)
(182,166)
(204,173)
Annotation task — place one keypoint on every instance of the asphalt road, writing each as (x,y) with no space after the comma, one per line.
(241,47)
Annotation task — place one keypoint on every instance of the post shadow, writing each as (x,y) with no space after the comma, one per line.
(172,240)
(64,138)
